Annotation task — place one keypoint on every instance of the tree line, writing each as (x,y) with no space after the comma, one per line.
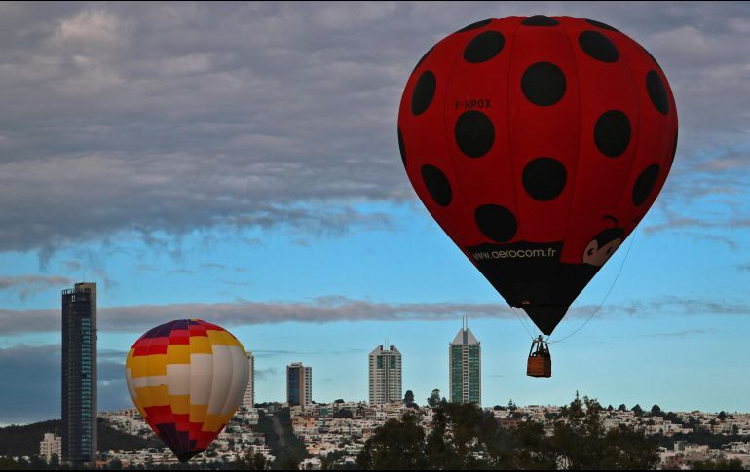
(463,436)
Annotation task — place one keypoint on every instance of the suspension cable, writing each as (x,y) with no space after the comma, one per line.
(611,287)
(520,319)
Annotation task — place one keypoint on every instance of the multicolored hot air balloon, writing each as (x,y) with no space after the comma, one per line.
(187,378)
(538,144)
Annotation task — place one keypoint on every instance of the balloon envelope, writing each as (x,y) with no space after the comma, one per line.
(187,378)
(538,144)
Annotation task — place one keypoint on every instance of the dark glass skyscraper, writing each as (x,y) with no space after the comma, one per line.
(79,374)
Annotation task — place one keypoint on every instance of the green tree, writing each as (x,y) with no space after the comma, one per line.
(437,449)
(463,436)
(287,447)
(721,464)
(329,461)
(258,462)
(409,399)
(622,407)
(581,442)
(637,410)
(397,444)
(434,399)
(656,411)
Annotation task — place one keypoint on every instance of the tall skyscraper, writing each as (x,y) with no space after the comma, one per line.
(298,384)
(465,367)
(385,375)
(248,400)
(79,374)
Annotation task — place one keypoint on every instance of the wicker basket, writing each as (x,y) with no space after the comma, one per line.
(539,366)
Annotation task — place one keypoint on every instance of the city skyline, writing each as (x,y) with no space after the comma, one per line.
(239,163)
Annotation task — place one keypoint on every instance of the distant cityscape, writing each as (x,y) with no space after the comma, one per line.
(336,430)
(78,441)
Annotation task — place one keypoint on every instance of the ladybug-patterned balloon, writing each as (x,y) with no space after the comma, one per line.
(538,144)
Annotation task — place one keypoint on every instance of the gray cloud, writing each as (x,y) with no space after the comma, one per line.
(25,285)
(264,374)
(72,266)
(683,334)
(32,391)
(288,352)
(320,310)
(222,267)
(673,305)
(336,308)
(171,119)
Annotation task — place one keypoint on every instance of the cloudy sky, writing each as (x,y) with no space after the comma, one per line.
(238,163)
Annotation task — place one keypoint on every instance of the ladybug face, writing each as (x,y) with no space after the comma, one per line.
(600,249)
(597,256)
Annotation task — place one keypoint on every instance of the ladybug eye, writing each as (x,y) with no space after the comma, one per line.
(609,251)
(590,252)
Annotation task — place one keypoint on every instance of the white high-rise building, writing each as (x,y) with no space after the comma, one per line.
(51,445)
(385,375)
(465,367)
(298,384)
(248,399)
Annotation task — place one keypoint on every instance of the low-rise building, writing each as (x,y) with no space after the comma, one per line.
(50,446)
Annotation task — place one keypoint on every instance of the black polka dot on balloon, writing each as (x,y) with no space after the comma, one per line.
(496,222)
(644,185)
(401,148)
(543,84)
(475,133)
(657,93)
(540,20)
(599,24)
(674,146)
(423,93)
(475,25)
(612,133)
(484,46)
(437,184)
(544,178)
(598,46)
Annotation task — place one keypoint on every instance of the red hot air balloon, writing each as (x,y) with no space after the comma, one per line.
(538,144)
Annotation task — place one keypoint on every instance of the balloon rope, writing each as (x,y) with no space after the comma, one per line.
(519,317)
(605,296)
